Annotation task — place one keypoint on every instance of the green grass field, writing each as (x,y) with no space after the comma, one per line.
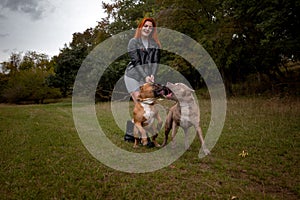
(42,156)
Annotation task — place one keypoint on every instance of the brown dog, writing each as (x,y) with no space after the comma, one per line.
(145,113)
(185,113)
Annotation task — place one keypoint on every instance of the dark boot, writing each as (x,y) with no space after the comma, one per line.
(129,131)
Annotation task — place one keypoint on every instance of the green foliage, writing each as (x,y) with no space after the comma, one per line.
(13,64)
(66,66)
(70,58)
(29,85)
(25,79)
(110,77)
(243,37)
(4,78)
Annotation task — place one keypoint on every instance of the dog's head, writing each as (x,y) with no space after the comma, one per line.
(180,92)
(153,90)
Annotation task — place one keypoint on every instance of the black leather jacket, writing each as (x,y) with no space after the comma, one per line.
(143,62)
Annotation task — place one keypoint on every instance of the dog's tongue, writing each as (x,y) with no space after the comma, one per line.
(166,92)
(169,95)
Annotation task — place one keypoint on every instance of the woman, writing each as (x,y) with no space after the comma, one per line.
(143,50)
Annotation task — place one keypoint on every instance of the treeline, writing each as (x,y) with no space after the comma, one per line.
(255,45)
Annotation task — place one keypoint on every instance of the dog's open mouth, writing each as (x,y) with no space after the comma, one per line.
(167,93)
(163,91)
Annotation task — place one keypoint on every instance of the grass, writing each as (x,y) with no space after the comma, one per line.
(42,156)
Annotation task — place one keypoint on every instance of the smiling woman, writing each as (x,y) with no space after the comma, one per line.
(143,50)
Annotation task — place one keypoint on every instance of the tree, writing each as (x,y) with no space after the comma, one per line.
(4,78)
(12,66)
(70,58)
(25,79)
(243,37)
(29,85)
(66,65)
(264,36)
(34,60)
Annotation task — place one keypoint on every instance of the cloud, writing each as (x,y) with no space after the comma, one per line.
(2,35)
(34,8)
(2,16)
(5,50)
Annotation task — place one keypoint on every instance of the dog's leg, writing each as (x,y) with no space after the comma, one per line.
(158,127)
(199,132)
(136,136)
(174,131)
(143,133)
(168,127)
(154,140)
(159,123)
(167,131)
(186,138)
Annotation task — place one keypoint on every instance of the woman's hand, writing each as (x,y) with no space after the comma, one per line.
(149,79)
(152,78)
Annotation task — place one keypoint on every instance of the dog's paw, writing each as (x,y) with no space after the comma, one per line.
(203,152)
(144,142)
(156,144)
(206,151)
(150,144)
(163,144)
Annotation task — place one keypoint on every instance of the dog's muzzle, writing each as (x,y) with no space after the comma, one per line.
(161,90)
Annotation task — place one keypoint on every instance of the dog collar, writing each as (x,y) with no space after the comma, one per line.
(184,104)
(148,101)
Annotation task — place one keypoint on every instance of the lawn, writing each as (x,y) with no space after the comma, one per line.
(42,156)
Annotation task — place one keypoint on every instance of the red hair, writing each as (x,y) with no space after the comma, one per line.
(153,34)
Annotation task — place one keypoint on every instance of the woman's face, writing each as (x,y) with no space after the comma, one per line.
(147,29)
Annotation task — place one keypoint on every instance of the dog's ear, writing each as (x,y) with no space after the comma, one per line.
(187,88)
(141,88)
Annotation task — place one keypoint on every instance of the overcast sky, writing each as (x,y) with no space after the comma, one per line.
(44,26)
